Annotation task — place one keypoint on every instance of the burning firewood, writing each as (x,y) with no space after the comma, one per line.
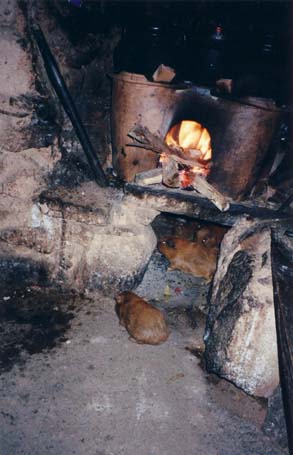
(142,137)
(172,177)
(203,187)
(149,177)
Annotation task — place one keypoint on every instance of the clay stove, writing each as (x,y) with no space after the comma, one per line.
(241,130)
(230,141)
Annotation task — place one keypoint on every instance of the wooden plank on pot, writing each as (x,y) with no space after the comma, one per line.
(164,74)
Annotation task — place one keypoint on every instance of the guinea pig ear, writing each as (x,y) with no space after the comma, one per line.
(119,298)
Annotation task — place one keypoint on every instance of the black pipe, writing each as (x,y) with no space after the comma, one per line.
(67,102)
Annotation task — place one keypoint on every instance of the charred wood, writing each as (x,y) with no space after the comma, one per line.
(170,173)
(200,184)
(143,137)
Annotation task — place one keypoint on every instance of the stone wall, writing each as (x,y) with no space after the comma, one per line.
(57,228)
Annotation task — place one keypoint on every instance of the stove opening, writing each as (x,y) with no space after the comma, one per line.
(195,140)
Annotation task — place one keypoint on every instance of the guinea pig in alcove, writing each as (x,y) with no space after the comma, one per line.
(144,323)
(191,257)
(211,235)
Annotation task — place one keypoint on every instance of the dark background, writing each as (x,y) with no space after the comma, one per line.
(255,44)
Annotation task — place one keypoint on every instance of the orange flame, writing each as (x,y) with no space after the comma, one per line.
(190,135)
(186,178)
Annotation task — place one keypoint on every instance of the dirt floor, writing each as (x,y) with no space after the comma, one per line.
(72,382)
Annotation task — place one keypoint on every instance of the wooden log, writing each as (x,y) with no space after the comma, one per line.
(144,138)
(170,173)
(171,177)
(164,74)
(200,184)
(149,177)
(282,267)
(191,162)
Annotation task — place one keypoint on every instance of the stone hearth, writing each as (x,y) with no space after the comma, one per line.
(81,238)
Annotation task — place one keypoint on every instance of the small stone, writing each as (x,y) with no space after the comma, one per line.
(167,291)
(44,208)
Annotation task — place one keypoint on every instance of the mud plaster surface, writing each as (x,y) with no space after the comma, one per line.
(96,393)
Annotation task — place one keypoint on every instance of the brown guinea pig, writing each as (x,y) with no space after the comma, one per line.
(190,257)
(211,235)
(144,323)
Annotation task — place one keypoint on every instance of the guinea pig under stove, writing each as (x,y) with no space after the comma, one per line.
(211,235)
(144,323)
(191,257)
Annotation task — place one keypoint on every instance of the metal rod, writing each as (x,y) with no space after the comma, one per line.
(67,102)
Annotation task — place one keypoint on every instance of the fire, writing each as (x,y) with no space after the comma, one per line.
(190,135)
(186,178)
(189,154)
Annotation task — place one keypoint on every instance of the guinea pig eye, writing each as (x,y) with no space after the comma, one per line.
(170,243)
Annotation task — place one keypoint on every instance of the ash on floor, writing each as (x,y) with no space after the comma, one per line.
(32,320)
(171,287)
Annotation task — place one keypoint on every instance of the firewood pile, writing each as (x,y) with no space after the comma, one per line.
(179,168)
